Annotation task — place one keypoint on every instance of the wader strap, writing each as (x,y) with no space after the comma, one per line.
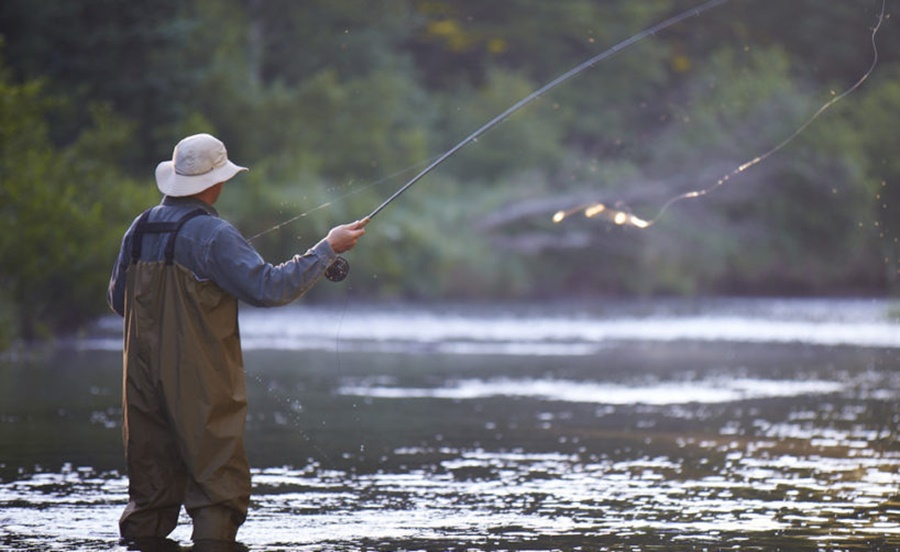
(143,227)
(170,247)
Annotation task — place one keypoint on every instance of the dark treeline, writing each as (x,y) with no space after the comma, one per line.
(325,100)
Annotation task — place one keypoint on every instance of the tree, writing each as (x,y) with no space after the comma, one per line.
(138,57)
(62,212)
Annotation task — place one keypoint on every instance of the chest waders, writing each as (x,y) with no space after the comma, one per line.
(184,398)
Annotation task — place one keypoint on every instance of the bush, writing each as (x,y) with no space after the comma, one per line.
(62,213)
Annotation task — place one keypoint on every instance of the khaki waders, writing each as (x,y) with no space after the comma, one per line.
(184,399)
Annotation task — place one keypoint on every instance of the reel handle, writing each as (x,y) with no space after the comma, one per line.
(338,270)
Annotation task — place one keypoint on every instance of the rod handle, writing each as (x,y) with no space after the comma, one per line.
(338,270)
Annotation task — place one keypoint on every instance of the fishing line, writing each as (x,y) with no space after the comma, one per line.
(340,268)
(623,217)
(578,69)
(339,198)
(293,413)
(339,364)
(294,408)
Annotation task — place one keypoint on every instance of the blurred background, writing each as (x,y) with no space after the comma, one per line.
(334,105)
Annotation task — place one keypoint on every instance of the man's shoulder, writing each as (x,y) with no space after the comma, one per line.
(200,223)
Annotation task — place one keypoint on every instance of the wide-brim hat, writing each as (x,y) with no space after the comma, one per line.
(198,162)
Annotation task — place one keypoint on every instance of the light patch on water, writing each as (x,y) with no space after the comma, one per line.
(664,393)
(552,329)
(560,335)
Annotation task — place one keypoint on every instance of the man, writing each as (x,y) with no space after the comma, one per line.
(179,276)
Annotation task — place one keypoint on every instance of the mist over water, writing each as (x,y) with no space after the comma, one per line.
(740,424)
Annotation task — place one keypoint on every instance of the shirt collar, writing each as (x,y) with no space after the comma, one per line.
(190,202)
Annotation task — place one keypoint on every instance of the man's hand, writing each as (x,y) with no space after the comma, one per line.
(344,237)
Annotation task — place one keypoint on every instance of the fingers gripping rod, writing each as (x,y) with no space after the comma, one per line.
(343,269)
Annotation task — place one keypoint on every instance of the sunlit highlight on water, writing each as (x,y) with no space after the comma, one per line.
(551,332)
(474,493)
(714,391)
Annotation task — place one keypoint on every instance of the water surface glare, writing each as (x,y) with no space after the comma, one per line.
(753,425)
(557,330)
(708,391)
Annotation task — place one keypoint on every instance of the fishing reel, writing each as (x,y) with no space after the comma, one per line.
(338,270)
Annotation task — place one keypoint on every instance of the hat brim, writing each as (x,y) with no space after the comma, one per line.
(173,184)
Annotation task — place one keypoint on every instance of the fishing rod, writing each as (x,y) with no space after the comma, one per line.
(341,267)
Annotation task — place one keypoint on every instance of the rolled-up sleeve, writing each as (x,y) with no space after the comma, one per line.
(241,271)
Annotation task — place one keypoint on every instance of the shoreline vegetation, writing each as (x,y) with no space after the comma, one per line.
(322,101)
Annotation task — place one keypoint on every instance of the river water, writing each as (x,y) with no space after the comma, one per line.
(664,425)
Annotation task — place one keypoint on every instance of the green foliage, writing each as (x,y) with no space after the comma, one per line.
(61,212)
(790,224)
(125,54)
(528,139)
(324,100)
(872,136)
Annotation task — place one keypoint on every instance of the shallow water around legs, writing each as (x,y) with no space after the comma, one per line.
(681,430)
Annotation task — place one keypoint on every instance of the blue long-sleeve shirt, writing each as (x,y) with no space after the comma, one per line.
(213,249)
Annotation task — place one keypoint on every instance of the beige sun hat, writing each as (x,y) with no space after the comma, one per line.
(198,162)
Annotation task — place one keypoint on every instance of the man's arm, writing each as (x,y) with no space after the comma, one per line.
(235,266)
(115,295)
